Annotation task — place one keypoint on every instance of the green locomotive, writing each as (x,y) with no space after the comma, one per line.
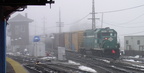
(101,42)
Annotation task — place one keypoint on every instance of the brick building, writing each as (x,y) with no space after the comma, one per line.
(19,32)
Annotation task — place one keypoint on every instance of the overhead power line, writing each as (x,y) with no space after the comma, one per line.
(48,28)
(132,19)
(79,20)
(123,26)
(121,9)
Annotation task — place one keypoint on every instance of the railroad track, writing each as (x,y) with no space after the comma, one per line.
(95,63)
(48,67)
(78,58)
(112,66)
(54,68)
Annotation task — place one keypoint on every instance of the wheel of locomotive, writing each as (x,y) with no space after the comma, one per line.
(82,51)
(89,52)
(98,53)
(112,53)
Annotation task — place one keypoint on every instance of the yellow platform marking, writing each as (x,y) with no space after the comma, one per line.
(18,68)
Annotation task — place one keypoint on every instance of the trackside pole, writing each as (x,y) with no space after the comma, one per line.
(2,42)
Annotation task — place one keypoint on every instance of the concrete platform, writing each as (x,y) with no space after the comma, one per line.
(9,68)
(14,66)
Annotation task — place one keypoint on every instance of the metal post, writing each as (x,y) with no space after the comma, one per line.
(2,42)
(59,26)
(44,29)
(36,48)
(52,44)
(102,20)
(93,15)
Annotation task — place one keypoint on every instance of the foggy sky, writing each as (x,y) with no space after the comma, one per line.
(124,22)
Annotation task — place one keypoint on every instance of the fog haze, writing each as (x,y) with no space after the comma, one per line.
(126,22)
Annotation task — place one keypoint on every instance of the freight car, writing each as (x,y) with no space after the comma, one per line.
(100,42)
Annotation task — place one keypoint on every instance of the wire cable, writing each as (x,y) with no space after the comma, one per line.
(122,26)
(79,20)
(121,9)
(132,19)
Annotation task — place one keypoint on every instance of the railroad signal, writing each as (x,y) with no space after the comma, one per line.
(25,2)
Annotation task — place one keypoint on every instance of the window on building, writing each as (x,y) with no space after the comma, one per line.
(22,28)
(138,42)
(17,30)
(127,42)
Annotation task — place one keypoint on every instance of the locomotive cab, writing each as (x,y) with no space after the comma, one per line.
(101,42)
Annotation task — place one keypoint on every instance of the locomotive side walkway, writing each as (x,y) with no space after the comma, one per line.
(17,67)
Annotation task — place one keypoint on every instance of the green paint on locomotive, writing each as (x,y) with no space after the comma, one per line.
(100,39)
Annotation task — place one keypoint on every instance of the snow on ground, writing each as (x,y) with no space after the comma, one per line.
(106,61)
(84,68)
(48,58)
(88,69)
(72,62)
(138,66)
(9,53)
(137,56)
(131,60)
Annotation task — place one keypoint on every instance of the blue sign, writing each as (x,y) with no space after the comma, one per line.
(36,39)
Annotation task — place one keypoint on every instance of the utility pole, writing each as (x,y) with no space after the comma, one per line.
(44,25)
(44,22)
(35,44)
(93,16)
(44,29)
(35,29)
(60,24)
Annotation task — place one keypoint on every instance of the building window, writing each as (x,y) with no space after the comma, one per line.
(22,28)
(16,29)
(127,42)
(138,42)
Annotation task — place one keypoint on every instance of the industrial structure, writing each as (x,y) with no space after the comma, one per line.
(19,32)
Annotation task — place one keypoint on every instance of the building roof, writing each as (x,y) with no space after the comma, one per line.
(20,18)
